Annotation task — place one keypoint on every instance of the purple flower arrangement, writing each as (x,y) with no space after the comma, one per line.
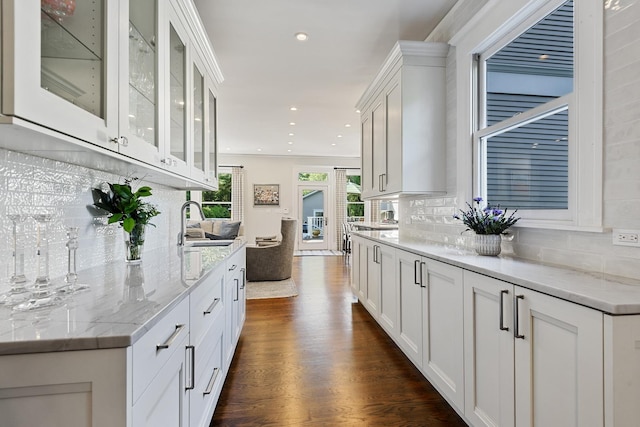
(487,220)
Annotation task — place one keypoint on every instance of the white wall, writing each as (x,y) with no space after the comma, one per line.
(262,220)
(431,218)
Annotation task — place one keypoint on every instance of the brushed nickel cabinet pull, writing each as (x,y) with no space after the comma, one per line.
(212,306)
(192,384)
(516,327)
(212,381)
(502,294)
(171,339)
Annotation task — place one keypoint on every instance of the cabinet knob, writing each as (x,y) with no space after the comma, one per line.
(120,140)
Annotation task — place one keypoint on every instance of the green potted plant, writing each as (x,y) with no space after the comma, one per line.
(127,208)
(489,223)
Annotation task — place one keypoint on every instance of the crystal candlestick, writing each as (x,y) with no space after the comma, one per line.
(18,291)
(42,285)
(71,278)
(42,294)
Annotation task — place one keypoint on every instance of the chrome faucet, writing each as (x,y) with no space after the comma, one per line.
(183,218)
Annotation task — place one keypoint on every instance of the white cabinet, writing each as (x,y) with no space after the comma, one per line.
(443,356)
(139,82)
(544,367)
(235,303)
(430,328)
(411,308)
(403,123)
(165,402)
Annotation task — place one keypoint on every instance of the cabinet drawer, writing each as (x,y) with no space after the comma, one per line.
(206,304)
(209,376)
(157,345)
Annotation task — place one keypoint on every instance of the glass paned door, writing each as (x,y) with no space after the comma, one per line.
(198,120)
(178,111)
(212,136)
(71,55)
(313,217)
(143,71)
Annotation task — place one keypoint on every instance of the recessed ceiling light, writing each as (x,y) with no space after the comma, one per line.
(259,149)
(347,125)
(357,111)
(302,36)
(339,136)
(228,148)
(292,123)
(290,142)
(288,151)
(543,57)
(293,108)
(290,134)
(333,143)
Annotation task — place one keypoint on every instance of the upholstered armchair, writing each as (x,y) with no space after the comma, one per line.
(273,262)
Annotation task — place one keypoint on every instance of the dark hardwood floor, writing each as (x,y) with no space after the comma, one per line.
(319,359)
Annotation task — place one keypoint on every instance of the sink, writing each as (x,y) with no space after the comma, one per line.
(204,243)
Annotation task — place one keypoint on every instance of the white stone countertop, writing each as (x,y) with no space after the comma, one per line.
(609,294)
(122,302)
(375,226)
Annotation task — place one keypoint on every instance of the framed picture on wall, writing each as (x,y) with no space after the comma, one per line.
(266,195)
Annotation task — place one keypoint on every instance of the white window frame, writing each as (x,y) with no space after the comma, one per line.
(499,22)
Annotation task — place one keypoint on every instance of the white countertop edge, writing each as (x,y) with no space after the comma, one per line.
(609,294)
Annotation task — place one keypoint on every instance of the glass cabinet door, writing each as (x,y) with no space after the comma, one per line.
(198,123)
(178,108)
(140,88)
(212,135)
(66,80)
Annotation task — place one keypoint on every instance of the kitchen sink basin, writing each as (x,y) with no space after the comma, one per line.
(204,243)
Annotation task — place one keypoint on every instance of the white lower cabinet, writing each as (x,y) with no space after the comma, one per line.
(171,376)
(531,359)
(500,354)
(430,326)
(165,401)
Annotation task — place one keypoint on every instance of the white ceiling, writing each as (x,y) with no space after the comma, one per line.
(267,71)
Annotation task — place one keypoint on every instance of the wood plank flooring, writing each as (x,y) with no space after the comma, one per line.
(319,359)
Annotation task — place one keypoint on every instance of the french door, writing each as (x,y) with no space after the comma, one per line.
(313,216)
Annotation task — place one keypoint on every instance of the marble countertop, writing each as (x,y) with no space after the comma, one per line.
(609,294)
(122,302)
(375,226)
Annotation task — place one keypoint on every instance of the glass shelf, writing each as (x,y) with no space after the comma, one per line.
(58,42)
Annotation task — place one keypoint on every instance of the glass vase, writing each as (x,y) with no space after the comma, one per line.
(134,243)
(488,244)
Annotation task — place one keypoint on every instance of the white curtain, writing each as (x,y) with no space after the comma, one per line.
(341,203)
(237,190)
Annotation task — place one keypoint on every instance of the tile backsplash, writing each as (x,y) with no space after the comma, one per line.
(32,185)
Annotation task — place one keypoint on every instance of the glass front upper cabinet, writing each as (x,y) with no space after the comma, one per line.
(212,139)
(67,79)
(177,89)
(139,118)
(198,121)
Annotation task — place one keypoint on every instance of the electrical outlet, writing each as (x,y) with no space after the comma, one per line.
(626,237)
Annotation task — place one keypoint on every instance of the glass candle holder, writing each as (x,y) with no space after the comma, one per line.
(18,291)
(71,278)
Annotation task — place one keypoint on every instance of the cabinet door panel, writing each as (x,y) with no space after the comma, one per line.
(165,402)
(388,291)
(61,73)
(443,352)
(559,360)
(379,143)
(410,325)
(394,137)
(369,183)
(373,280)
(489,351)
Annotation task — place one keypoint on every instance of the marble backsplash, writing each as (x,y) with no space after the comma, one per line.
(32,185)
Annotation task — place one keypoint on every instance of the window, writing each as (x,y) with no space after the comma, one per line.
(355,205)
(526,97)
(537,125)
(217,204)
(313,176)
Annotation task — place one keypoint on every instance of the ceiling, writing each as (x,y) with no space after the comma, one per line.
(267,71)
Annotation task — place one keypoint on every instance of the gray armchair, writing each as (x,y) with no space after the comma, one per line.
(273,262)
